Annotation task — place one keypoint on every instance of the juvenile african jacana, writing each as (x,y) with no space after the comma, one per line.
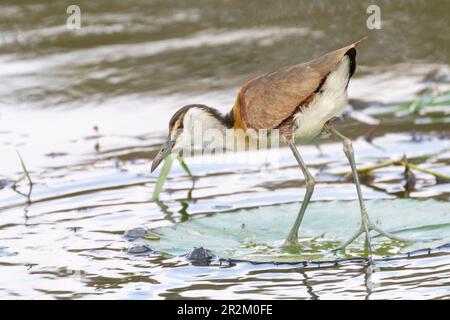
(300,101)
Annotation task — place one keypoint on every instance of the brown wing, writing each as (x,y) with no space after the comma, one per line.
(266,101)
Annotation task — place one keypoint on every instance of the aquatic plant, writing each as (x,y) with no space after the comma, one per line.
(168,161)
(26,174)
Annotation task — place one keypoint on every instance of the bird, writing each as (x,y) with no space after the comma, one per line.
(301,102)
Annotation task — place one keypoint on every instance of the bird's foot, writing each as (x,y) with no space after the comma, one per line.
(366,227)
(291,243)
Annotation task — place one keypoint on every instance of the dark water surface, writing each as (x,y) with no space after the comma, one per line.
(87,110)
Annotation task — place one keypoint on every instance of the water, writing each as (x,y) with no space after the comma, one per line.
(127,70)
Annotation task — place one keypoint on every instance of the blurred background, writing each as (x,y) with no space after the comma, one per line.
(88,108)
(137,62)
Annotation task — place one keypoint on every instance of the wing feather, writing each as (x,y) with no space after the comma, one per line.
(266,101)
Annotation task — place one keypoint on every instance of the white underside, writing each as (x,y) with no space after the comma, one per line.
(327,105)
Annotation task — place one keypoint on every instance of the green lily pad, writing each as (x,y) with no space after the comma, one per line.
(257,234)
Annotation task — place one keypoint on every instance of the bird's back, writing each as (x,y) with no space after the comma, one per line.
(273,99)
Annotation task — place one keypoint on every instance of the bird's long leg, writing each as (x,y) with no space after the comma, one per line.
(292,238)
(366,225)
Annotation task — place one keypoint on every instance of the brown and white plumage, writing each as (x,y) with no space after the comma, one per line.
(272,100)
(266,101)
(298,101)
(286,99)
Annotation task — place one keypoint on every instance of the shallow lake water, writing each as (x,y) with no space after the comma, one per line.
(87,110)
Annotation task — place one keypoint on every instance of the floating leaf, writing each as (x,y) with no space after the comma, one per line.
(257,234)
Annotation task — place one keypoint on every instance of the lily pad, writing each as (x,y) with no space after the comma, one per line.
(257,234)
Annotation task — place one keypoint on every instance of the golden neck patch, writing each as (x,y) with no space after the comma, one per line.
(238,124)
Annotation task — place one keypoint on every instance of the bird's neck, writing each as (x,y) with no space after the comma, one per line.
(232,119)
(210,127)
(213,118)
(236,116)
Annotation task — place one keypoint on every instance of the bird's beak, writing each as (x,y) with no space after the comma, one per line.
(165,150)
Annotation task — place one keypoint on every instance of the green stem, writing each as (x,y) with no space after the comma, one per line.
(26,175)
(436,174)
(184,166)
(24,168)
(168,161)
(399,163)
(374,167)
(162,177)
(15,183)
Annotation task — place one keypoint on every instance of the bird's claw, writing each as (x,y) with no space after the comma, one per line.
(366,229)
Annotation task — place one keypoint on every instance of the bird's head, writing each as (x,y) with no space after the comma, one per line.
(182,128)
